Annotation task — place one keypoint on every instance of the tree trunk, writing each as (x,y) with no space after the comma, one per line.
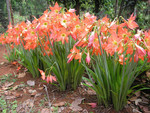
(121,8)
(11,12)
(8,10)
(77,7)
(65,3)
(116,7)
(47,3)
(96,6)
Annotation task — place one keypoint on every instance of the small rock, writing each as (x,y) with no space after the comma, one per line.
(31,83)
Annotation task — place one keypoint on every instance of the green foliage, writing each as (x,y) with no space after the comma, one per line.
(143,15)
(30,59)
(6,106)
(110,80)
(7,77)
(11,54)
(68,75)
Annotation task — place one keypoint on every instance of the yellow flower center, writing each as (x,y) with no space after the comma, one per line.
(115,42)
(56,11)
(63,35)
(77,26)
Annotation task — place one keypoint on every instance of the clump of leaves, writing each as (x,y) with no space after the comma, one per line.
(6,106)
(7,77)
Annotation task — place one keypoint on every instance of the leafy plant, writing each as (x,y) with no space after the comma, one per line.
(6,106)
(11,53)
(31,60)
(68,75)
(7,77)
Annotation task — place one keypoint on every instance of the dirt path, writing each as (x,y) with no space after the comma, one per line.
(2,52)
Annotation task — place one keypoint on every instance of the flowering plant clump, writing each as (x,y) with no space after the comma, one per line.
(114,51)
(59,41)
(48,40)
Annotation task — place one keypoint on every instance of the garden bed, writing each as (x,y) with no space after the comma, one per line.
(15,91)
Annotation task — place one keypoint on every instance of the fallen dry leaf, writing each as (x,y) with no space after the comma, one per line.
(24,90)
(60,109)
(138,93)
(74,106)
(41,88)
(45,110)
(8,84)
(133,98)
(148,75)
(15,87)
(10,97)
(21,75)
(137,101)
(7,93)
(136,111)
(16,94)
(146,110)
(59,104)
(84,111)
(32,91)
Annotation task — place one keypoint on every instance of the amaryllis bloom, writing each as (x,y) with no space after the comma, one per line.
(72,10)
(43,74)
(88,59)
(140,51)
(50,79)
(93,105)
(131,23)
(56,8)
(73,53)
(121,58)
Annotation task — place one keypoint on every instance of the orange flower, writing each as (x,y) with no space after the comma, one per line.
(88,58)
(74,53)
(56,8)
(131,23)
(43,74)
(50,79)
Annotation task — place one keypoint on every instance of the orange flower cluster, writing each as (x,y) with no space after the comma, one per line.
(59,26)
(117,38)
